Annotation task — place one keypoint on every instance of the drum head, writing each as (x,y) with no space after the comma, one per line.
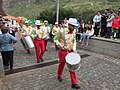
(73,58)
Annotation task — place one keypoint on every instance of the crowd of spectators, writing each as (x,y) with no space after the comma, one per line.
(105,25)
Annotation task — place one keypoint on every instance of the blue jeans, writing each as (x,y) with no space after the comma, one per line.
(82,37)
(87,38)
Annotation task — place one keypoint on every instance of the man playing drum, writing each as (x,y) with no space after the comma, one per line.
(67,44)
(39,42)
(46,30)
(26,30)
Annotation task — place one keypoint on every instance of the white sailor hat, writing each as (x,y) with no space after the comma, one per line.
(45,21)
(26,22)
(73,21)
(37,22)
(56,23)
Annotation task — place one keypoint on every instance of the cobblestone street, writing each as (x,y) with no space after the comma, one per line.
(97,72)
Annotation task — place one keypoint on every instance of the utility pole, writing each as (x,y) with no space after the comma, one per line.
(57,16)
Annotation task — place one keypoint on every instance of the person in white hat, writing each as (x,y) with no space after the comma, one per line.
(46,30)
(26,30)
(67,44)
(55,30)
(39,42)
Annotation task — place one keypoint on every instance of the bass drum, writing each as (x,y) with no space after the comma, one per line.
(73,61)
(29,41)
(24,43)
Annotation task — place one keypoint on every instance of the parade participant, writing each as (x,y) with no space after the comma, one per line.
(46,30)
(26,30)
(55,30)
(12,30)
(33,32)
(39,42)
(67,44)
(64,22)
(6,46)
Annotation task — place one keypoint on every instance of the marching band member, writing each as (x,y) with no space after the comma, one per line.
(67,44)
(26,30)
(55,30)
(39,42)
(46,30)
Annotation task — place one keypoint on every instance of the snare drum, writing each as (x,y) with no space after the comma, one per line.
(73,61)
(29,41)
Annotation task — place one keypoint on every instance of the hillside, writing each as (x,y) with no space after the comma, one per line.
(32,8)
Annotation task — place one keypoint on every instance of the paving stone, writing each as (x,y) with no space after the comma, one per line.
(116,82)
(37,88)
(105,88)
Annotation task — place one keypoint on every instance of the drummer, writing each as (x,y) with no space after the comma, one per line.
(39,42)
(67,43)
(46,30)
(26,30)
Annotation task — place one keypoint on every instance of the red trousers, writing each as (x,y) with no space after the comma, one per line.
(45,43)
(62,54)
(40,48)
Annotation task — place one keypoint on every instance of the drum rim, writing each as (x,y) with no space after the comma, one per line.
(73,63)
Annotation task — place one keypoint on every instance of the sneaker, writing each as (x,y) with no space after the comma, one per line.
(42,60)
(38,61)
(76,86)
(59,79)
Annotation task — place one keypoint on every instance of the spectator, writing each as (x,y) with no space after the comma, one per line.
(82,33)
(116,26)
(109,24)
(97,23)
(88,34)
(118,34)
(6,46)
(104,23)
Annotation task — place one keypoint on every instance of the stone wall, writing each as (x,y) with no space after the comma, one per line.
(102,46)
